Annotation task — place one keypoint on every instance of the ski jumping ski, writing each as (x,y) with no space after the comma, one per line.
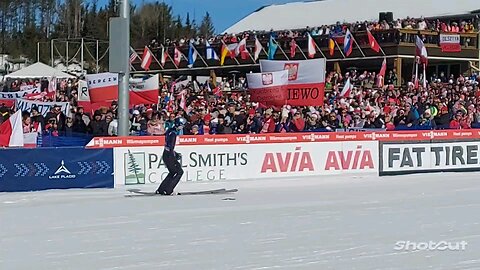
(138,192)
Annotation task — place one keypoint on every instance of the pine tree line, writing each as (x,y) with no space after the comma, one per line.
(23,23)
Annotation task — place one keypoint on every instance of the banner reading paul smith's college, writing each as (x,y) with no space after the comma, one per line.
(306,80)
(269,88)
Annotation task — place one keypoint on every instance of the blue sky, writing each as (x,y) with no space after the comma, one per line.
(223,12)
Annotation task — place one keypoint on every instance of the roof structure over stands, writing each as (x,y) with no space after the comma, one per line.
(39,70)
(299,15)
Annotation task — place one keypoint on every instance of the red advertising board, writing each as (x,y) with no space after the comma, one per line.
(389,136)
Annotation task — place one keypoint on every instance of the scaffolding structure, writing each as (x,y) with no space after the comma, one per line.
(75,50)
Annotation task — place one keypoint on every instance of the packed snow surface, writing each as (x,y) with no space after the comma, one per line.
(342,222)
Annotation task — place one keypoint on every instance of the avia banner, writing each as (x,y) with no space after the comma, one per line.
(450,43)
(269,87)
(306,80)
(429,157)
(143,165)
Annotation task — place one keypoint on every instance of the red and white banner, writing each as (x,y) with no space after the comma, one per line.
(19,94)
(145,92)
(306,80)
(450,43)
(103,87)
(268,87)
(383,136)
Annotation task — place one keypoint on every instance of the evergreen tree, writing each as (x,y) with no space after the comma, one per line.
(206,28)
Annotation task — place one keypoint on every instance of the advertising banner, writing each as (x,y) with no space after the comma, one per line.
(306,80)
(143,165)
(55,168)
(398,158)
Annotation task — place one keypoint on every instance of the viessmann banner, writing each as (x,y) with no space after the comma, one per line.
(143,165)
(400,158)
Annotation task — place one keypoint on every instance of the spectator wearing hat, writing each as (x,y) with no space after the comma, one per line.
(60,118)
(139,123)
(79,125)
(253,123)
(268,125)
(298,123)
(98,126)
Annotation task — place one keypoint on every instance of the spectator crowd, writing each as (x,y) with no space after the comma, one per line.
(446,103)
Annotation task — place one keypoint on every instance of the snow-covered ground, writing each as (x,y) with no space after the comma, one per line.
(309,223)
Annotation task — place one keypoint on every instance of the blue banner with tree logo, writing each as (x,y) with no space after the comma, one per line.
(55,168)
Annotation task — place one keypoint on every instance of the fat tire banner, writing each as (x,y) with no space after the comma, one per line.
(422,157)
(55,168)
(306,80)
(143,165)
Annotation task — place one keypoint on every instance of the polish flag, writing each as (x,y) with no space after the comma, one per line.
(347,88)
(145,92)
(311,47)
(11,131)
(177,56)
(258,48)
(147,58)
(102,86)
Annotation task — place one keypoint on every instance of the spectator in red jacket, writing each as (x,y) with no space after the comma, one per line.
(459,122)
(268,122)
(298,123)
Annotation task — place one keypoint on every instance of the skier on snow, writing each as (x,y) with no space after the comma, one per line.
(171,159)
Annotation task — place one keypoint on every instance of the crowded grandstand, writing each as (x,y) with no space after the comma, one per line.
(396,95)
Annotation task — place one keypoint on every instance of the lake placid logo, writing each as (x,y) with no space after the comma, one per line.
(292,71)
(62,172)
(267,78)
(134,168)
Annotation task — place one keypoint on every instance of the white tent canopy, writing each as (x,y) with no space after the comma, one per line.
(298,15)
(38,70)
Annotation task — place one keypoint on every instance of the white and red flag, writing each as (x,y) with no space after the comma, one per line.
(268,87)
(258,48)
(347,89)
(102,86)
(421,51)
(311,47)
(306,80)
(11,131)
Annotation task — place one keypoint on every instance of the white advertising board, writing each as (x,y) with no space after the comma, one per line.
(429,157)
(143,165)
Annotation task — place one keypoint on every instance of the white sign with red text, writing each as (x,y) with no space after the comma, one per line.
(143,165)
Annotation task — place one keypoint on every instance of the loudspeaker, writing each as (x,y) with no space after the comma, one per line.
(385,16)
(389,17)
